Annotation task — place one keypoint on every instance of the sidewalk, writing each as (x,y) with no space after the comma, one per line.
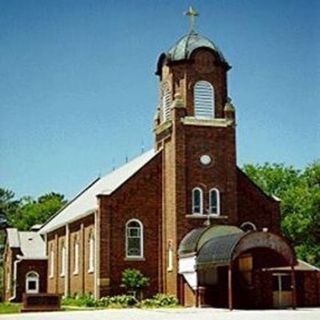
(171,314)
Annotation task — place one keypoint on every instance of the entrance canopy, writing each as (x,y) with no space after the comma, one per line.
(221,245)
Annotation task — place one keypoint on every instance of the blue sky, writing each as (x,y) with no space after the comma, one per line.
(78,90)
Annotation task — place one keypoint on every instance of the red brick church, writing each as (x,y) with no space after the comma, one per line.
(183,213)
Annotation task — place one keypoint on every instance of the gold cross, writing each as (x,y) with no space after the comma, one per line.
(192,14)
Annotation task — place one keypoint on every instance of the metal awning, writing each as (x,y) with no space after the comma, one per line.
(196,238)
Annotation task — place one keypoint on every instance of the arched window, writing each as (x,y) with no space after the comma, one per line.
(248,226)
(91,252)
(134,239)
(170,256)
(32,282)
(76,248)
(166,103)
(214,201)
(197,201)
(63,260)
(51,262)
(203,100)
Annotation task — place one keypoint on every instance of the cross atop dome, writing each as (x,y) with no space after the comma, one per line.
(192,13)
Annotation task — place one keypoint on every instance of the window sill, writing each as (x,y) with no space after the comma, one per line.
(91,271)
(134,259)
(62,275)
(75,273)
(51,277)
(206,216)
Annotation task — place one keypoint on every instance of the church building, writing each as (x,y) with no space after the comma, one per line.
(183,213)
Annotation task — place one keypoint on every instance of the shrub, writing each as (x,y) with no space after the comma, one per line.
(134,280)
(160,300)
(121,301)
(79,301)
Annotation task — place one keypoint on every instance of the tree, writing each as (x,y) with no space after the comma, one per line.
(8,205)
(33,212)
(23,213)
(134,281)
(299,192)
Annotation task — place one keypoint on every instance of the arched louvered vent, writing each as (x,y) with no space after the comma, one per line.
(203,100)
(166,103)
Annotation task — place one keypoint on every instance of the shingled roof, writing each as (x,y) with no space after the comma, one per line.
(85,202)
(30,243)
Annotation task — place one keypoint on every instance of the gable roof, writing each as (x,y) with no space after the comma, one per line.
(30,243)
(85,202)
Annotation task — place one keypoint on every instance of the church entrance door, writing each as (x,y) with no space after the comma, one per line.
(282,291)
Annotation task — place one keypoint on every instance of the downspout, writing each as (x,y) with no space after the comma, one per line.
(15,268)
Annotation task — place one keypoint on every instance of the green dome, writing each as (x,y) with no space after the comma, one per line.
(190,42)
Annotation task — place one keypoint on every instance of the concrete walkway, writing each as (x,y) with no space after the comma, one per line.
(171,314)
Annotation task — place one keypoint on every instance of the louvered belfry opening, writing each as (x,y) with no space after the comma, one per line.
(203,100)
(166,104)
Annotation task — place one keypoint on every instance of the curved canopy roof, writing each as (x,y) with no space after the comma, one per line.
(194,240)
(224,249)
(220,245)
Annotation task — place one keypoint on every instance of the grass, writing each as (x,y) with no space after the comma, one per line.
(10,308)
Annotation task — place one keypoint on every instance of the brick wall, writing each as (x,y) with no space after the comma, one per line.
(25,266)
(83,282)
(255,206)
(311,288)
(139,198)
(182,147)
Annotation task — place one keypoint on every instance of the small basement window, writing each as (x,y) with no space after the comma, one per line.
(32,282)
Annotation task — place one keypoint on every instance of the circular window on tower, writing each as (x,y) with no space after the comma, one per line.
(205,160)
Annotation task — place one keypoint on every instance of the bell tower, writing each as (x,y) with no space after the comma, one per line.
(195,128)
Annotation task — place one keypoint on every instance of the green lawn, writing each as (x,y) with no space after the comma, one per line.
(10,307)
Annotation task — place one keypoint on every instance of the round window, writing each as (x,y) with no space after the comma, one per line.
(205,159)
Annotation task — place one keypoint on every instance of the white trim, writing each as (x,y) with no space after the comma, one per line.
(15,268)
(201,200)
(91,257)
(63,260)
(35,278)
(217,204)
(170,257)
(140,236)
(76,260)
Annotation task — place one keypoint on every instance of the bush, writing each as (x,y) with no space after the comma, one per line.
(133,279)
(79,301)
(160,300)
(121,301)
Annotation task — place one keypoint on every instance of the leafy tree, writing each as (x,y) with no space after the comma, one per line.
(299,192)
(23,213)
(33,212)
(8,204)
